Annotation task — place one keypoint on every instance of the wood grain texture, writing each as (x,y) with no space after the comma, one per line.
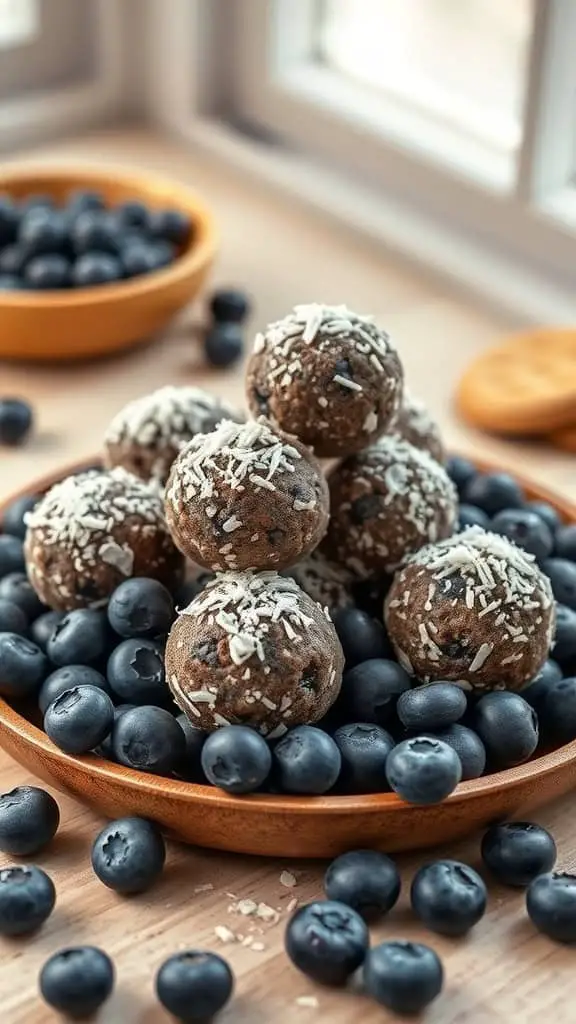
(504,973)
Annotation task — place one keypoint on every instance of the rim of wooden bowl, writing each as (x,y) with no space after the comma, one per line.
(144,185)
(196,794)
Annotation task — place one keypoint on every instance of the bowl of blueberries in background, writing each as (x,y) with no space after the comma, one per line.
(95,260)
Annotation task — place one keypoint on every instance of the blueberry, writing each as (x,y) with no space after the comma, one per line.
(128,855)
(362,637)
(507,726)
(229,306)
(223,344)
(327,941)
(27,898)
(423,770)
(136,672)
(471,515)
(23,666)
(11,555)
(431,707)
(403,976)
(44,233)
(461,471)
(565,546)
(12,619)
(537,688)
(96,232)
(105,749)
(236,759)
(191,766)
(47,272)
(82,199)
(42,628)
(557,712)
(547,513)
(468,746)
(66,678)
(494,492)
(306,760)
(170,225)
(77,981)
(516,852)
(363,748)
(564,649)
(79,719)
(9,219)
(164,253)
(10,283)
(81,638)
(366,880)
(551,905)
(194,985)
(14,513)
(94,268)
(448,897)
(525,529)
(36,203)
(562,575)
(141,607)
(15,420)
(370,690)
(148,739)
(13,259)
(133,214)
(29,819)
(17,588)
(140,258)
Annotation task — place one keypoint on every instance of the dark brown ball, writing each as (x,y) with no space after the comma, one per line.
(415,424)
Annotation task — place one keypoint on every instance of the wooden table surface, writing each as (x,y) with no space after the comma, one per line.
(504,972)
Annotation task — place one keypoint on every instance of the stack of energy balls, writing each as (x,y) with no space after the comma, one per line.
(283,545)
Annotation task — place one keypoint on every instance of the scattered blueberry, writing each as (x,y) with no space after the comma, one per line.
(306,760)
(43,234)
(194,985)
(327,941)
(42,628)
(564,649)
(423,770)
(79,719)
(236,759)
(23,666)
(551,905)
(15,421)
(191,766)
(436,706)
(546,512)
(471,515)
(47,272)
(27,898)
(526,529)
(565,546)
(67,678)
(562,575)
(136,672)
(537,689)
(507,726)
(362,637)
(365,880)
(128,855)
(149,739)
(77,981)
(468,746)
(13,260)
(11,555)
(80,638)
(17,588)
(370,690)
(494,492)
(448,897)
(363,748)
(516,852)
(223,344)
(12,618)
(171,225)
(141,607)
(403,976)
(94,268)
(29,819)
(229,306)
(13,519)
(557,712)
(461,471)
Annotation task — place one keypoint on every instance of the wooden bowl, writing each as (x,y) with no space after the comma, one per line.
(86,322)
(286,826)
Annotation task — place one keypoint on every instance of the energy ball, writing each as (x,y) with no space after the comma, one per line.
(474,609)
(328,584)
(387,502)
(327,375)
(254,649)
(415,424)
(147,434)
(246,497)
(94,530)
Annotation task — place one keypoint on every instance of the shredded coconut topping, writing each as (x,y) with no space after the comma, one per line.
(168,416)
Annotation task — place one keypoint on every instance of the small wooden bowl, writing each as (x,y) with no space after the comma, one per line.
(86,322)
(286,826)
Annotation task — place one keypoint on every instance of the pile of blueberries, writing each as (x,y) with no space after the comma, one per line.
(98,682)
(84,243)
